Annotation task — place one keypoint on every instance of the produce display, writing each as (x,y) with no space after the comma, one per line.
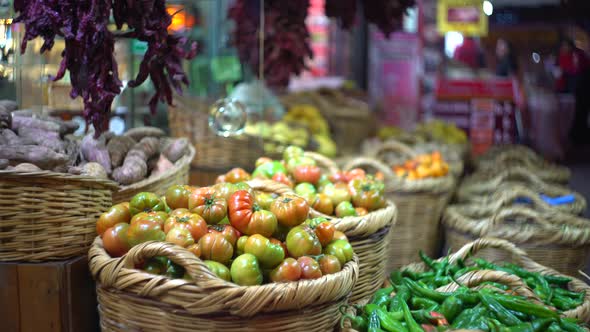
(428,165)
(341,194)
(243,236)
(434,130)
(414,301)
(32,143)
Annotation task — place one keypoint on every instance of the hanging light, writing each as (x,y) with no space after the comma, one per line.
(488,8)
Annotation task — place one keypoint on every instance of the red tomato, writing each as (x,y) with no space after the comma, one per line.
(179,213)
(290,210)
(209,206)
(307,173)
(180,236)
(325,232)
(195,248)
(338,235)
(323,204)
(236,175)
(230,233)
(283,178)
(116,214)
(192,222)
(288,270)
(143,231)
(262,222)
(215,247)
(367,193)
(356,173)
(329,264)
(310,269)
(241,208)
(177,197)
(337,177)
(115,240)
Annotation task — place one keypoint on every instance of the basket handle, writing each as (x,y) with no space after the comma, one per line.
(363,162)
(394,146)
(323,161)
(270,186)
(504,215)
(488,242)
(508,194)
(520,174)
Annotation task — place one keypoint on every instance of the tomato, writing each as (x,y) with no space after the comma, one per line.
(338,177)
(307,191)
(241,207)
(219,269)
(268,170)
(295,162)
(177,197)
(264,200)
(195,249)
(230,233)
(156,216)
(341,249)
(360,211)
(115,240)
(356,173)
(220,179)
(116,214)
(283,178)
(367,193)
(288,270)
(282,244)
(224,190)
(345,209)
(192,222)
(302,241)
(145,202)
(329,264)
(180,236)
(337,192)
(307,173)
(322,182)
(338,235)
(262,222)
(262,160)
(325,232)
(310,269)
(206,204)
(291,152)
(143,231)
(174,270)
(155,265)
(323,204)
(268,254)
(214,246)
(281,232)
(240,244)
(245,270)
(178,213)
(290,210)
(224,221)
(236,175)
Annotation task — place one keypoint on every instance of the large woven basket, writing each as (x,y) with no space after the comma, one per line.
(49,216)
(419,205)
(179,174)
(555,239)
(133,300)
(367,236)
(190,118)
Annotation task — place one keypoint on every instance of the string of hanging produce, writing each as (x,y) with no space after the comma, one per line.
(89,48)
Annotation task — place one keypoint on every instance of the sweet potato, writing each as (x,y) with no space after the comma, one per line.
(50,139)
(26,167)
(118,147)
(8,137)
(5,119)
(41,156)
(141,132)
(176,149)
(30,122)
(9,105)
(135,167)
(95,150)
(162,166)
(95,170)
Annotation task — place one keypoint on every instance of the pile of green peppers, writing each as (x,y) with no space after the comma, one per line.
(412,303)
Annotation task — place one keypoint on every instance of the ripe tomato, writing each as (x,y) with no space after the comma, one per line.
(307,173)
(180,236)
(155,216)
(338,235)
(219,269)
(262,160)
(224,190)
(143,231)
(115,240)
(230,233)
(310,269)
(283,178)
(338,177)
(220,179)
(360,211)
(262,222)
(116,214)
(236,175)
(323,204)
(268,254)
(145,202)
(214,246)
(206,204)
(264,200)
(179,213)
(356,173)
(192,222)
(293,163)
(195,249)
(177,197)
(345,209)
(337,192)
(241,208)
(245,270)
(329,264)
(341,249)
(288,270)
(290,210)
(325,232)
(302,241)
(367,193)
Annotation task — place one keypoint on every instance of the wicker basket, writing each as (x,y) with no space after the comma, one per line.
(190,118)
(367,236)
(160,183)
(474,189)
(49,216)
(555,239)
(419,204)
(133,300)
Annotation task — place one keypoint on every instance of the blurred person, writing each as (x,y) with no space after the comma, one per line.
(470,53)
(506,59)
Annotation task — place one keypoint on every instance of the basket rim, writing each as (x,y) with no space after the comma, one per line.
(60,177)
(361,226)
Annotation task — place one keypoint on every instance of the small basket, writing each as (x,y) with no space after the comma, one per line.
(190,118)
(476,190)
(179,174)
(555,239)
(130,299)
(419,204)
(47,216)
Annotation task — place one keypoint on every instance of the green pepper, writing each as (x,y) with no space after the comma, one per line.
(358,323)
(390,321)
(425,292)
(423,303)
(451,307)
(472,319)
(382,296)
(538,325)
(413,326)
(374,323)
(417,275)
(396,277)
(558,280)
(516,304)
(403,295)
(428,261)
(464,270)
(569,325)
(467,296)
(564,303)
(501,313)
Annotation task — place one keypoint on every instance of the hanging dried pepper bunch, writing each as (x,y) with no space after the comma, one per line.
(286,38)
(89,47)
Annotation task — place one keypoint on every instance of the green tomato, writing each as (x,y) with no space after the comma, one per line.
(322,182)
(219,269)
(345,209)
(307,191)
(341,249)
(174,270)
(146,202)
(240,244)
(291,152)
(245,270)
(337,192)
(297,161)
(268,254)
(268,170)
(224,221)
(302,241)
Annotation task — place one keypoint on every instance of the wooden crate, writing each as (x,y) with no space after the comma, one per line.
(48,297)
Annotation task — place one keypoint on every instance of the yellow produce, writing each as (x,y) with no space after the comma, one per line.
(428,165)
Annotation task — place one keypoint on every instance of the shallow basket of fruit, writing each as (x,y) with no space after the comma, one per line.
(555,239)
(352,201)
(420,188)
(462,292)
(222,257)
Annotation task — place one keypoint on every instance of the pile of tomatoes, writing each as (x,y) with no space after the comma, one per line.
(341,194)
(243,236)
(429,165)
